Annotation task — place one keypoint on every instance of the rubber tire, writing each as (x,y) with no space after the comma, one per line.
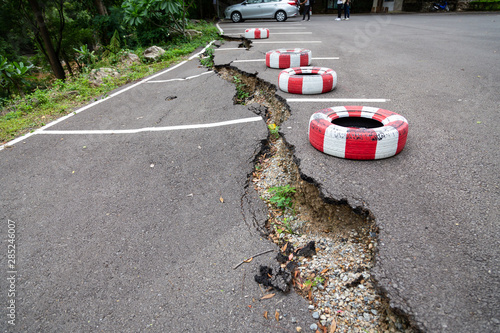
(280,16)
(307,80)
(251,33)
(358,143)
(287,58)
(237,15)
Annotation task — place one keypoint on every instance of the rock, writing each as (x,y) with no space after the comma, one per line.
(96,76)
(153,52)
(313,327)
(130,58)
(191,32)
(315,315)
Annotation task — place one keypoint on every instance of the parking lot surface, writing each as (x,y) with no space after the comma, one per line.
(436,203)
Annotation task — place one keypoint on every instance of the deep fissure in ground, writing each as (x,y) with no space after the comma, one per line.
(311,215)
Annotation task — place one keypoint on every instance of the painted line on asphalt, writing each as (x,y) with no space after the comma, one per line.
(230,49)
(86,107)
(187,78)
(153,129)
(338,100)
(290,41)
(278,33)
(260,60)
(277,28)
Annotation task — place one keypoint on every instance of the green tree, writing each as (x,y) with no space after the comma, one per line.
(163,17)
(43,36)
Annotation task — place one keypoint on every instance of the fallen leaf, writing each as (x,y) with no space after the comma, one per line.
(248,260)
(221,199)
(283,249)
(333,326)
(290,257)
(277,316)
(324,271)
(268,296)
(265,314)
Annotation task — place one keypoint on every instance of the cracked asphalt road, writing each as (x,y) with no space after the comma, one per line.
(126,232)
(436,203)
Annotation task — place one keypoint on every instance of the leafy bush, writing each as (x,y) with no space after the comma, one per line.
(13,75)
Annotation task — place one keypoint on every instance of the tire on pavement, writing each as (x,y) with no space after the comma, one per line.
(307,80)
(384,135)
(283,58)
(257,33)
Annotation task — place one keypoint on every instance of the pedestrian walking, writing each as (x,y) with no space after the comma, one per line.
(340,4)
(347,9)
(307,8)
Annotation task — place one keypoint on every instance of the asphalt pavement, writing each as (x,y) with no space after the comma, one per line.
(130,215)
(436,203)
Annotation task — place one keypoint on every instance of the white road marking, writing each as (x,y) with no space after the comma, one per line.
(230,49)
(40,130)
(153,129)
(187,78)
(279,33)
(274,28)
(258,60)
(289,42)
(338,100)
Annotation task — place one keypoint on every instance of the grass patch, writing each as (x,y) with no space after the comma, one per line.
(22,115)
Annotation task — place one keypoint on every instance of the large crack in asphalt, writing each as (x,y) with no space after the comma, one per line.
(337,281)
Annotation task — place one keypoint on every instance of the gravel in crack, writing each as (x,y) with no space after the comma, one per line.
(336,280)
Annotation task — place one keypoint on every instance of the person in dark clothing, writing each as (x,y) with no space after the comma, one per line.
(347,7)
(307,8)
(340,4)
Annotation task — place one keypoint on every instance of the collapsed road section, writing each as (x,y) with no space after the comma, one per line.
(336,279)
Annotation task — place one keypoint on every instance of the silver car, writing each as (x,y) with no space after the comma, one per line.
(262,9)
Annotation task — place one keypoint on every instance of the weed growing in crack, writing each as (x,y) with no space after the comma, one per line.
(313,282)
(282,196)
(208,58)
(274,130)
(284,227)
(241,94)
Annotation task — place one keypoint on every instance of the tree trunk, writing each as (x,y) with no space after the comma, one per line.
(55,64)
(101,9)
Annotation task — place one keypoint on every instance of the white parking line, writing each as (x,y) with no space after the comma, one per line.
(259,60)
(280,33)
(277,28)
(289,42)
(230,49)
(153,129)
(42,129)
(338,100)
(187,78)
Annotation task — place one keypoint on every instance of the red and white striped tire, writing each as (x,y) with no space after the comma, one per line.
(358,143)
(283,58)
(257,33)
(307,80)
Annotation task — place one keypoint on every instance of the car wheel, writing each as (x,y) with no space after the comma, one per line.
(280,16)
(236,17)
(358,132)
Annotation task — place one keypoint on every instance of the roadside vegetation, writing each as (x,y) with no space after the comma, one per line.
(42,79)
